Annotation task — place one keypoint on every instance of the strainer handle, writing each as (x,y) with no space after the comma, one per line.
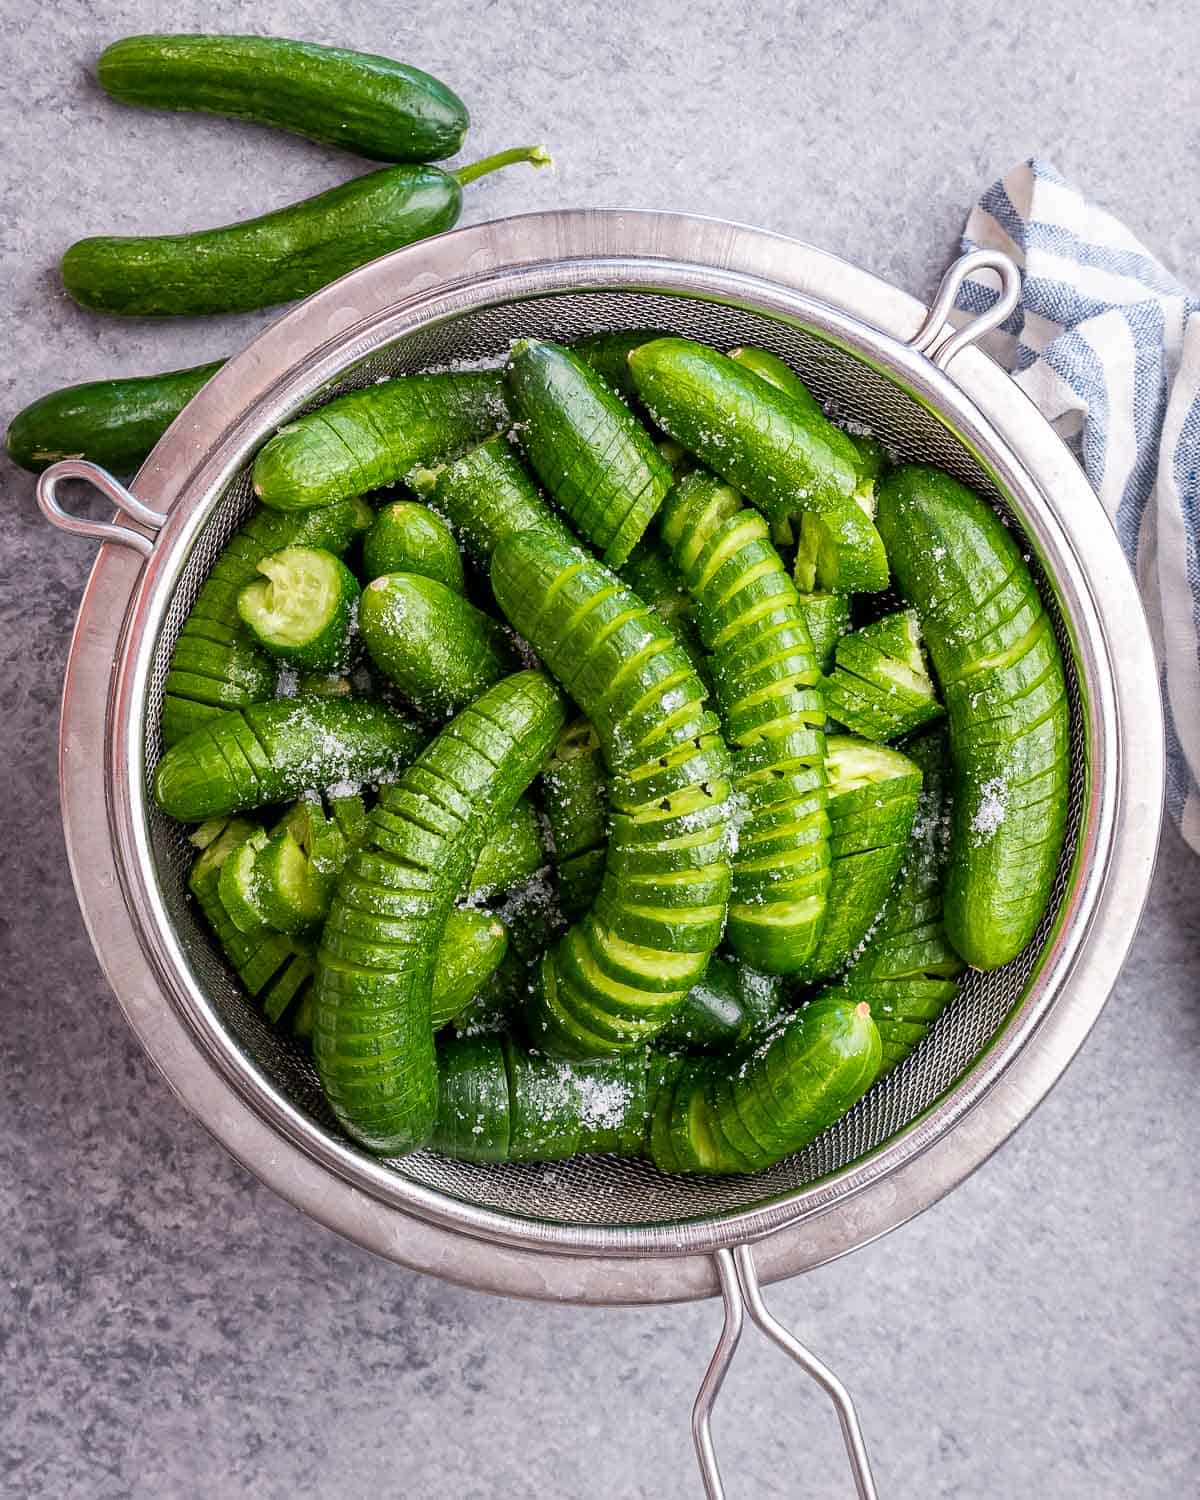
(100,531)
(926,338)
(742,1294)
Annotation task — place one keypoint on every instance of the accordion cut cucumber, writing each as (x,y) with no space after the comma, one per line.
(496,1103)
(839,550)
(781,455)
(488,494)
(357,101)
(271,752)
(437,648)
(873,794)
(806,1074)
(114,423)
(410,538)
(828,619)
(302,608)
(614,980)
(375,436)
(881,688)
(908,972)
(595,458)
(725,1010)
(872,456)
(514,852)
(1001,675)
(766,676)
(278,256)
(215,665)
(373,1037)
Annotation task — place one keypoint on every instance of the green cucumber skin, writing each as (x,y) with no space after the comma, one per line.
(247,675)
(613,981)
(908,972)
(487,495)
(608,354)
(262,262)
(258,956)
(828,619)
(781,456)
(497,1103)
(383,110)
(439,650)
(410,538)
(515,851)
(373,1038)
(872,455)
(873,691)
(870,832)
(1002,681)
(806,1075)
(113,423)
(574,788)
(472,947)
(726,1010)
(271,752)
(594,457)
(373,437)
(779,889)
(328,650)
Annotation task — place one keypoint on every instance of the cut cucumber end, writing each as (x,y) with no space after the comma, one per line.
(300,609)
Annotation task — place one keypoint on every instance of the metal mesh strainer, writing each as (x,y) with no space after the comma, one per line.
(465,297)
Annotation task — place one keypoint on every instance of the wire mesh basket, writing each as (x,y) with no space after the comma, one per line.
(603,1229)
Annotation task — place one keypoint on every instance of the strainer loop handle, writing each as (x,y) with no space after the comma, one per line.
(99,531)
(742,1294)
(931,330)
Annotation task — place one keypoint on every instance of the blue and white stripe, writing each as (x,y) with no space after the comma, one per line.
(1107,343)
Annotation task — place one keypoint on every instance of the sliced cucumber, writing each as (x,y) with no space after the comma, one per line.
(473,946)
(873,794)
(487,495)
(592,454)
(302,609)
(881,687)
(271,752)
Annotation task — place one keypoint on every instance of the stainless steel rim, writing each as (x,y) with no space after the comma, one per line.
(102,805)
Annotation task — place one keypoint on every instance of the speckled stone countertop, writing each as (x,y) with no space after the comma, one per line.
(171,1329)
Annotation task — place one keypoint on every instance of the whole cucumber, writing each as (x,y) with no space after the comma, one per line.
(997,661)
(359,101)
(114,423)
(439,650)
(279,256)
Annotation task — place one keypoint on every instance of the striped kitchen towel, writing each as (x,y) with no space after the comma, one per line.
(1107,343)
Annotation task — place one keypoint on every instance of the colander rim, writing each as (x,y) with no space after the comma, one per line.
(185,468)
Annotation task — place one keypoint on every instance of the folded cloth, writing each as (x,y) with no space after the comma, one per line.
(1107,343)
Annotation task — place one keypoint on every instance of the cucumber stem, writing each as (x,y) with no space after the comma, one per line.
(536,156)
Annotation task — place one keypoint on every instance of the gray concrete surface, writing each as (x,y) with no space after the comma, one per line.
(169,1329)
